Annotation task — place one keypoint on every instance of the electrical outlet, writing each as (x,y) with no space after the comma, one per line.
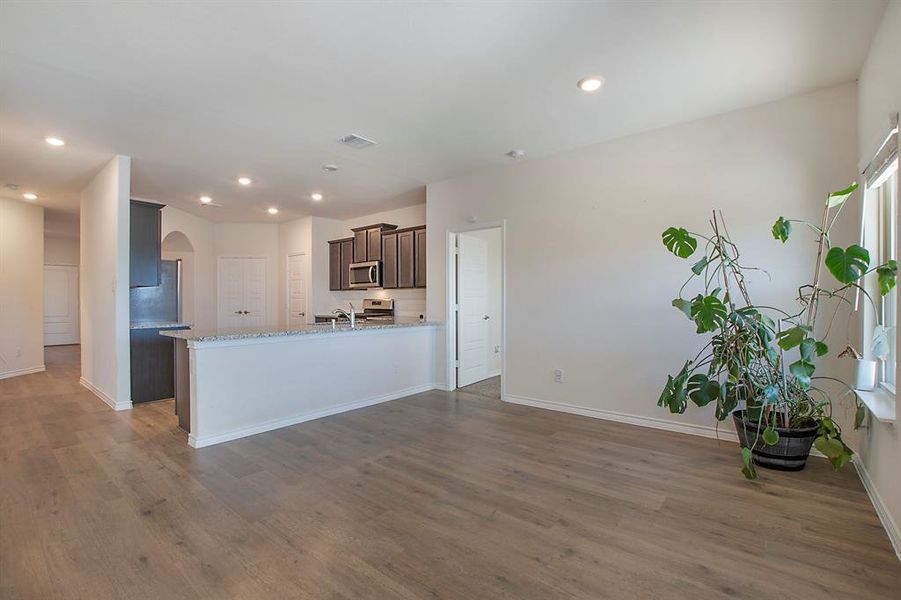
(558,375)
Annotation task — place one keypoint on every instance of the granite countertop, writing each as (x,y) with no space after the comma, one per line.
(159,325)
(215,335)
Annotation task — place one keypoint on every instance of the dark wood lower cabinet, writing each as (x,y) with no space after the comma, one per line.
(152,366)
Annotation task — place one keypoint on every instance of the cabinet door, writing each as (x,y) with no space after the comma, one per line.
(347,257)
(405,262)
(361,246)
(374,241)
(334,265)
(145,246)
(389,260)
(152,366)
(419,257)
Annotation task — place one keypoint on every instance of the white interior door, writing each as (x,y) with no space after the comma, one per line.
(60,305)
(231,292)
(297,290)
(254,292)
(472,317)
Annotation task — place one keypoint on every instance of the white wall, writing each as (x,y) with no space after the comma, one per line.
(880,95)
(21,288)
(492,238)
(408,303)
(105,356)
(589,283)
(199,286)
(60,250)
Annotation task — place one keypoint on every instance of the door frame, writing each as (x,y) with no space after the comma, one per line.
(451,300)
(306,281)
(219,288)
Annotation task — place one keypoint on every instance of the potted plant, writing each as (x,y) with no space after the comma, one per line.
(744,369)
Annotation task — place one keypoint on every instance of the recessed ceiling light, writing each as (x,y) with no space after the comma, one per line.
(245,180)
(205,199)
(516,154)
(54,141)
(316,196)
(30,196)
(591,84)
(329,168)
(273,210)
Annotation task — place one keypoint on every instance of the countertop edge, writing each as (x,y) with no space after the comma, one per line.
(201,339)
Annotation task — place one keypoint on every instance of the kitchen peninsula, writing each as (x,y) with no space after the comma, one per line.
(232,383)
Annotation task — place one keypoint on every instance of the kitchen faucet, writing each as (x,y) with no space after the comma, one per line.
(349,315)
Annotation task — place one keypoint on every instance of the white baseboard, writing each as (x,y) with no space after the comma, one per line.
(25,371)
(125,405)
(494,373)
(209,440)
(726,433)
(888,523)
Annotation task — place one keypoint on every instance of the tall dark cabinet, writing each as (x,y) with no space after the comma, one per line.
(145,245)
(340,257)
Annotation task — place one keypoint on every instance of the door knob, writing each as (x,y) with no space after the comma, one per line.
(485,318)
(301,314)
(246,312)
(238,312)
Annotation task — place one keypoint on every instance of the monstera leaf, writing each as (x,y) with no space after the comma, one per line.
(675,395)
(802,370)
(880,344)
(838,198)
(679,242)
(790,338)
(703,390)
(782,229)
(848,265)
(887,274)
(708,312)
(683,305)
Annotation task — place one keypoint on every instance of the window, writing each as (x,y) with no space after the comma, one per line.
(883,191)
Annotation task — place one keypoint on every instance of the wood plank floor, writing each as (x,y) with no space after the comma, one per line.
(438,495)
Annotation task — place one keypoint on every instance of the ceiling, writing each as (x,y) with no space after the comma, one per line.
(201,93)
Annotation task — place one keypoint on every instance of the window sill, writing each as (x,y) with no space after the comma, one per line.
(880,402)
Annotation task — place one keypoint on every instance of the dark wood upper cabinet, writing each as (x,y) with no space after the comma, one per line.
(389,260)
(368,241)
(402,253)
(361,246)
(405,261)
(145,246)
(419,257)
(347,257)
(334,265)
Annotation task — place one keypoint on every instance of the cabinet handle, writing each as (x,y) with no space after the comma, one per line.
(301,314)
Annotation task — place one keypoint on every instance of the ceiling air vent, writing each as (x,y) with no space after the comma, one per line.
(356,141)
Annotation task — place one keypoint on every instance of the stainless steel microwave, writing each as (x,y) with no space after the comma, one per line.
(365,275)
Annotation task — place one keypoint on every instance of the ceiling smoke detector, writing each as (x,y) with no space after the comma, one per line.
(329,168)
(357,142)
(516,154)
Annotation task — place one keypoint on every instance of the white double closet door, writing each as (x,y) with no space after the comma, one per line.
(242,292)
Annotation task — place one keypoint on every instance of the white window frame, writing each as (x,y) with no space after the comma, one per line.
(887,249)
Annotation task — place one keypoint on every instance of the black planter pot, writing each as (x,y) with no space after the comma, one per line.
(790,452)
